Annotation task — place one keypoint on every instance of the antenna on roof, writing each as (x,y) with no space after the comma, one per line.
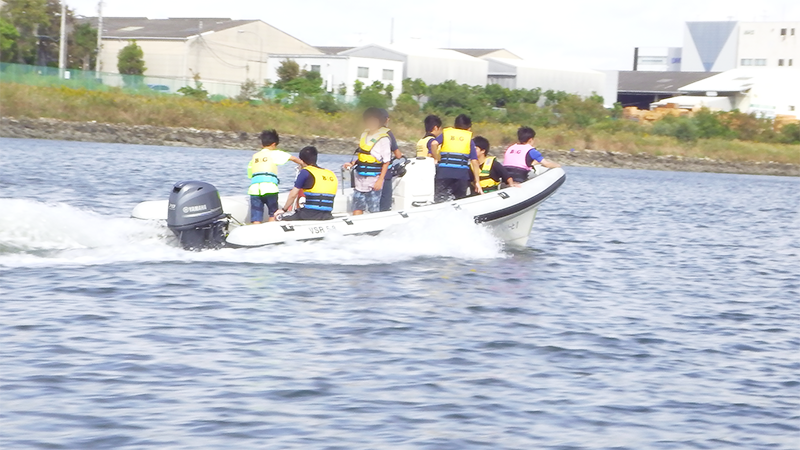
(391,32)
(200,26)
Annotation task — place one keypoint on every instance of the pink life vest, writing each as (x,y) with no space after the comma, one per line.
(516,156)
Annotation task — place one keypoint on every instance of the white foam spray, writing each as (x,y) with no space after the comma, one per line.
(36,234)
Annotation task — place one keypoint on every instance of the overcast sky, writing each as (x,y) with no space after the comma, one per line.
(579,33)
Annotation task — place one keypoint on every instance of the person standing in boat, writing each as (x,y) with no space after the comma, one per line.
(319,186)
(371,163)
(263,174)
(433,128)
(520,157)
(492,172)
(455,152)
(387,191)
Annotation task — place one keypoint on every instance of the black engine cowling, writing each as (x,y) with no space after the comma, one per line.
(196,216)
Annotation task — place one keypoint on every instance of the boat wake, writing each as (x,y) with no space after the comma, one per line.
(36,234)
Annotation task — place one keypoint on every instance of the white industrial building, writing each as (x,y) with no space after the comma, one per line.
(721,46)
(337,70)
(657,59)
(522,74)
(766,92)
(432,65)
(222,51)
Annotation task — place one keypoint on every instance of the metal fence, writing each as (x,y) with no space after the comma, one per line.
(86,79)
(139,84)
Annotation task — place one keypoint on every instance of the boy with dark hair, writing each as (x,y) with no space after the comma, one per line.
(371,163)
(520,157)
(319,186)
(433,128)
(492,172)
(263,174)
(456,154)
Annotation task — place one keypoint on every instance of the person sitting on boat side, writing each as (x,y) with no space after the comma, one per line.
(456,154)
(388,188)
(320,187)
(263,174)
(433,128)
(492,172)
(371,164)
(520,157)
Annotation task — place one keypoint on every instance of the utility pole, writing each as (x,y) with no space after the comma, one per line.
(99,37)
(391,33)
(62,43)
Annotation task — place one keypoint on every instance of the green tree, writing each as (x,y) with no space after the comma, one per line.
(342,90)
(83,47)
(358,86)
(197,92)
(308,82)
(8,39)
(375,95)
(415,87)
(288,70)
(130,60)
(451,99)
(25,16)
(406,105)
(248,91)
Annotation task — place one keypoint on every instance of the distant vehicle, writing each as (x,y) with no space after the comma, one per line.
(159,87)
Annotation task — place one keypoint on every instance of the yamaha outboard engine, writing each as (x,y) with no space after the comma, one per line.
(195,215)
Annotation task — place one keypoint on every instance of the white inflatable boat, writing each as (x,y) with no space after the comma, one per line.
(201,218)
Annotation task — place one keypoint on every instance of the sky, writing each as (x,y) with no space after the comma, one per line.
(571,33)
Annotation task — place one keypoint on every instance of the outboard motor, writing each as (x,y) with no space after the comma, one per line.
(195,215)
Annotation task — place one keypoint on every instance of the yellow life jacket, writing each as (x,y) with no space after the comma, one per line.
(320,196)
(367,165)
(455,148)
(488,183)
(422,147)
(263,174)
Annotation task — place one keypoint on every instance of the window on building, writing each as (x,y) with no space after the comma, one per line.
(363,72)
(315,68)
(388,74)
(760,62)
(792,31)
(747,62)
(791,62)
(791,108)
(783,31)
(780,62)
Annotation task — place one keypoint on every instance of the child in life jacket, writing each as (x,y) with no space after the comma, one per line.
(520,157)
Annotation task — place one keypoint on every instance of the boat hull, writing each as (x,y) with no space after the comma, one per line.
(509,213)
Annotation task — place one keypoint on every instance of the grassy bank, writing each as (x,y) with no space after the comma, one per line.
(167,110)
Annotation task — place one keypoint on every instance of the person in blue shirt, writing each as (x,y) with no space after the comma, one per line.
(520,157)
(457,158)
(319,186)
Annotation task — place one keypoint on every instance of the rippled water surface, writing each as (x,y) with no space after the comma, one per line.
(649,310)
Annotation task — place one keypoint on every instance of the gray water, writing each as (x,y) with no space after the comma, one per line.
(650,310)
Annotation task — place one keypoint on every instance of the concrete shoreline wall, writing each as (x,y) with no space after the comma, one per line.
(190,137)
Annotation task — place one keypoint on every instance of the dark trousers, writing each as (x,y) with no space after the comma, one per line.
(257,203)
(309,214)
(447,189)
(517,174)
(386,192)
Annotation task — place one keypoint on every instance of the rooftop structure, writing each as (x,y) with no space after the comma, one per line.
(432,65)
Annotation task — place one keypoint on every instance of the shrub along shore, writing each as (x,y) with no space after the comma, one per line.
(676,138)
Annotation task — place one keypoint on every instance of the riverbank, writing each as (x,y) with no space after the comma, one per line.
(191,137)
